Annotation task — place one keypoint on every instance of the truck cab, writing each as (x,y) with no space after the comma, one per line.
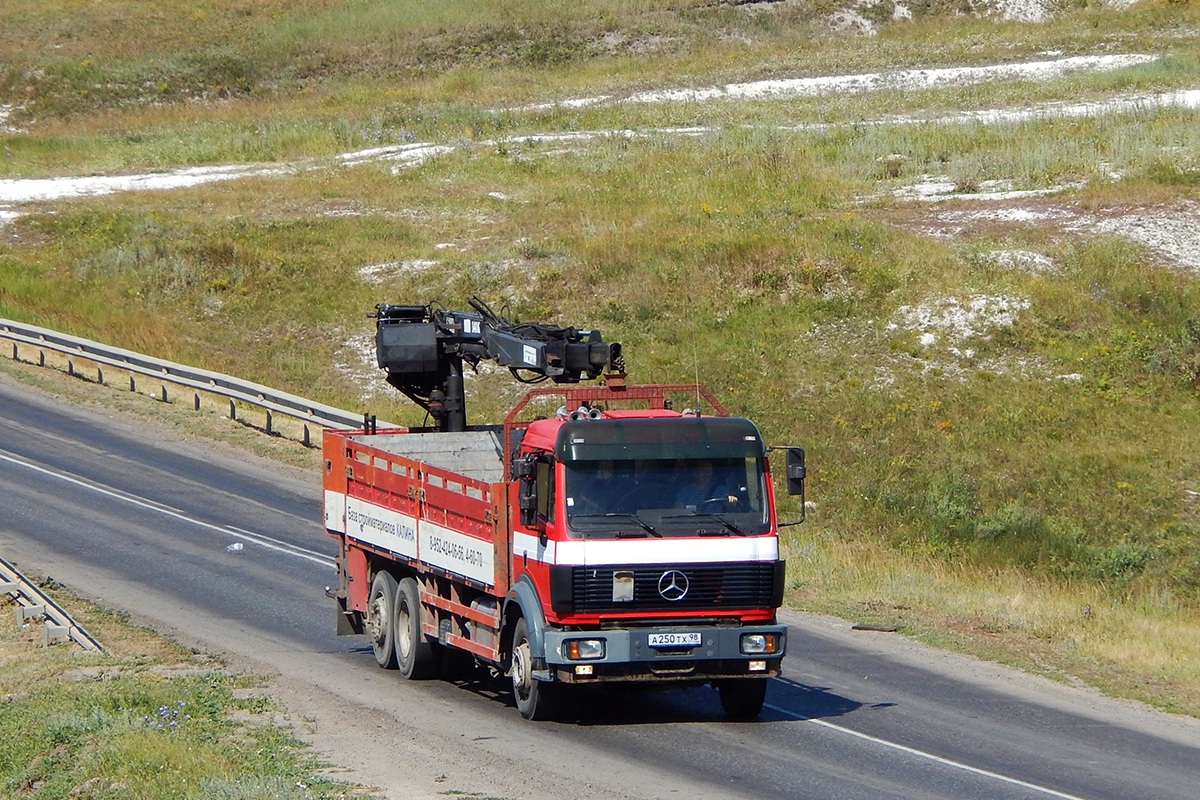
(650,540)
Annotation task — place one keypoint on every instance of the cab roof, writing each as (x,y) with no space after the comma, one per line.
(657,434)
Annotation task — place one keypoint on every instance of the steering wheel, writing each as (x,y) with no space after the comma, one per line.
(720,503)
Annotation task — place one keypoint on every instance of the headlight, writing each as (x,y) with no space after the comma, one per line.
(755,644)
(583,649)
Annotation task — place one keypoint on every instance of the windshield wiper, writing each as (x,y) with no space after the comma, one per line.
(729,526)
(646,526)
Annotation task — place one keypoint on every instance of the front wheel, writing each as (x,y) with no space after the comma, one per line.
(743,698)
(533,697)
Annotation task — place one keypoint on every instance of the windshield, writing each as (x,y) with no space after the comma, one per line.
(667,497)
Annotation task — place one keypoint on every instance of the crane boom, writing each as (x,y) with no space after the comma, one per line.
(423,349)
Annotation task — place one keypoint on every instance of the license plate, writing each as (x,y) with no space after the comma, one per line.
(675,639)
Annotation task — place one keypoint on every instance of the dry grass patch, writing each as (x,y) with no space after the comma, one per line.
(1143,647)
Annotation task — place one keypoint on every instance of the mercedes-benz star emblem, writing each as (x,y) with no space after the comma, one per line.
(673,585)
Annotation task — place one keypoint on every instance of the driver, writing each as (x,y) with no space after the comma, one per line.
(703,488)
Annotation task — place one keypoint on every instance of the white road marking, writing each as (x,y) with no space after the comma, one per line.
(929,756)
(257,538)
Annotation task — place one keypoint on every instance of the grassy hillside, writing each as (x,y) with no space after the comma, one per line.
(1000,409)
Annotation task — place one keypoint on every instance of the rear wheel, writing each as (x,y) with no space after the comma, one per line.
(533,697)
(380,630)
(743,698)
(414,652)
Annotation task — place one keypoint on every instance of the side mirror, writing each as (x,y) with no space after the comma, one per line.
(795,471)
(794,474)
(523,467)
(527,500)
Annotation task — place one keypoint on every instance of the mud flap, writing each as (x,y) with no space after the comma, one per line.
(348,623)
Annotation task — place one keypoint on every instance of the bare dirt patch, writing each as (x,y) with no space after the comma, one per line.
(1171,232)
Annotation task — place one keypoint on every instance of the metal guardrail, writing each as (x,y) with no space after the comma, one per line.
(166,372)
(34,604)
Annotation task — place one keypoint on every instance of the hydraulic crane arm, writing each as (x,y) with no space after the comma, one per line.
(423,349)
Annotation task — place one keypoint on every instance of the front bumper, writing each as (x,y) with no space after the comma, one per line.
(628,655)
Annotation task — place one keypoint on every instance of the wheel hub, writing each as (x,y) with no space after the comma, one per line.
(377,620)
(520,672)
(403,637)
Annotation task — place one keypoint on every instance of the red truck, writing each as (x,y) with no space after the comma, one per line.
(597,535)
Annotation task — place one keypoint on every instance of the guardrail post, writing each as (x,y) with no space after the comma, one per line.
(163,395)
(30,612)
(232,409)
(55,634)
(99,374)
(132,383)
(41,358)
(71,368)
(269,420)
(196,401)
(307,436)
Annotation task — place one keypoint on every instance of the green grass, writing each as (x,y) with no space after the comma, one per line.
(145,719)
(766,256)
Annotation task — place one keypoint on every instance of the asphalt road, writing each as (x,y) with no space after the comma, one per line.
(142,519)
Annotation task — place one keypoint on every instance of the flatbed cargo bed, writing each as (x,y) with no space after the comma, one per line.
(476,454)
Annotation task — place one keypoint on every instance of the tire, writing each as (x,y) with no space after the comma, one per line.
(381,605)
(415,655)
(533,697)
(743,698)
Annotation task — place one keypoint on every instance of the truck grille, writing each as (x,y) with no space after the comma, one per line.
(709,586)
